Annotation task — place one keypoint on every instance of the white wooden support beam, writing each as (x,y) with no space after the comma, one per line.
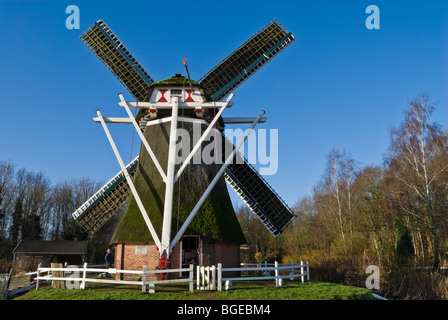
(142,137)
(167,210)
(234,120)
(129,181)
(113,120)
(213,183)
(203,137)
(169,105)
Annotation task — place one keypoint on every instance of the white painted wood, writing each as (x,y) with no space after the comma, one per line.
(85,269)
(199,142)
(143,139)
(169,188)
(213,183)
(169,105)
(129,181)
(277,267)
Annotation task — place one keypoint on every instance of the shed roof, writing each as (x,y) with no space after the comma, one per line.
(51,246)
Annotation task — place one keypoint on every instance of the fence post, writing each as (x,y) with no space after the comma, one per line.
(308,271)
(197,277)
(206,278)
(219,276)
(144,279)
(277,282)
(201,278)
(38,275)
(57,272)
(292,271)
(208,285)
(84,275)
(266,272)
(213,278)
(151,287)
(301,271)
(191,278)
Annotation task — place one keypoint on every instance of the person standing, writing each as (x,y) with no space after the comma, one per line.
(109,259)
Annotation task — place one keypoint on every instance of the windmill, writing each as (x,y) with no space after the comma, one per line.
(186,202)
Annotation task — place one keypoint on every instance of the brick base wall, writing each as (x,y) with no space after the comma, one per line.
(135,256)
(228,254)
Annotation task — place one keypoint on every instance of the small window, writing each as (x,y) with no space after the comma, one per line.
(176,91)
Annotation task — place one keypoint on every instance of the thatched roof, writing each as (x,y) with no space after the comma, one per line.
(51,247)
(176,80)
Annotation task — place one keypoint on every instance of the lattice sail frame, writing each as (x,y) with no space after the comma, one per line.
(257,194)
(117,58)
(99,208)
(242,63)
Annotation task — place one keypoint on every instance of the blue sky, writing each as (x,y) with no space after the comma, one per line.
(339,85)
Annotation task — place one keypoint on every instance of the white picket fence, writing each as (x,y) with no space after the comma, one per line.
(207,278)
(211,277)
(73,280)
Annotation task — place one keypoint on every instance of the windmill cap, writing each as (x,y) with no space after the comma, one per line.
(176,80)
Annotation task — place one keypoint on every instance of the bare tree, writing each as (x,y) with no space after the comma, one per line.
(371,209)
(334,194)
(66,197)
(31,203)
(417,160)
(6,195)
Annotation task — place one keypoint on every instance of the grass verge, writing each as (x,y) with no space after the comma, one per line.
(241,291)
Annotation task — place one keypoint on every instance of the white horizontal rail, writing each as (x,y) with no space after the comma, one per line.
(296,275)
(139,283)
(130,282)
(208,275)
(85,269)
(302,269)
(295,266)
(263,264)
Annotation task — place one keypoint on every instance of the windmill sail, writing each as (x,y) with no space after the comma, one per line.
(117,58)
(246,60)
(258,195)
(99,208)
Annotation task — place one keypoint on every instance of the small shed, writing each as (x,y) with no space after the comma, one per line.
(29,253)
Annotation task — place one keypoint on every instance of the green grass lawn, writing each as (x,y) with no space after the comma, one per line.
(249,290)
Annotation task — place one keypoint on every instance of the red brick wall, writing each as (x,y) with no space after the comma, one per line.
(212,253)
(127,259)
(228,254)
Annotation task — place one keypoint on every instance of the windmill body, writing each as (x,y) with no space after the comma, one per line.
(215,227)
(178,208)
